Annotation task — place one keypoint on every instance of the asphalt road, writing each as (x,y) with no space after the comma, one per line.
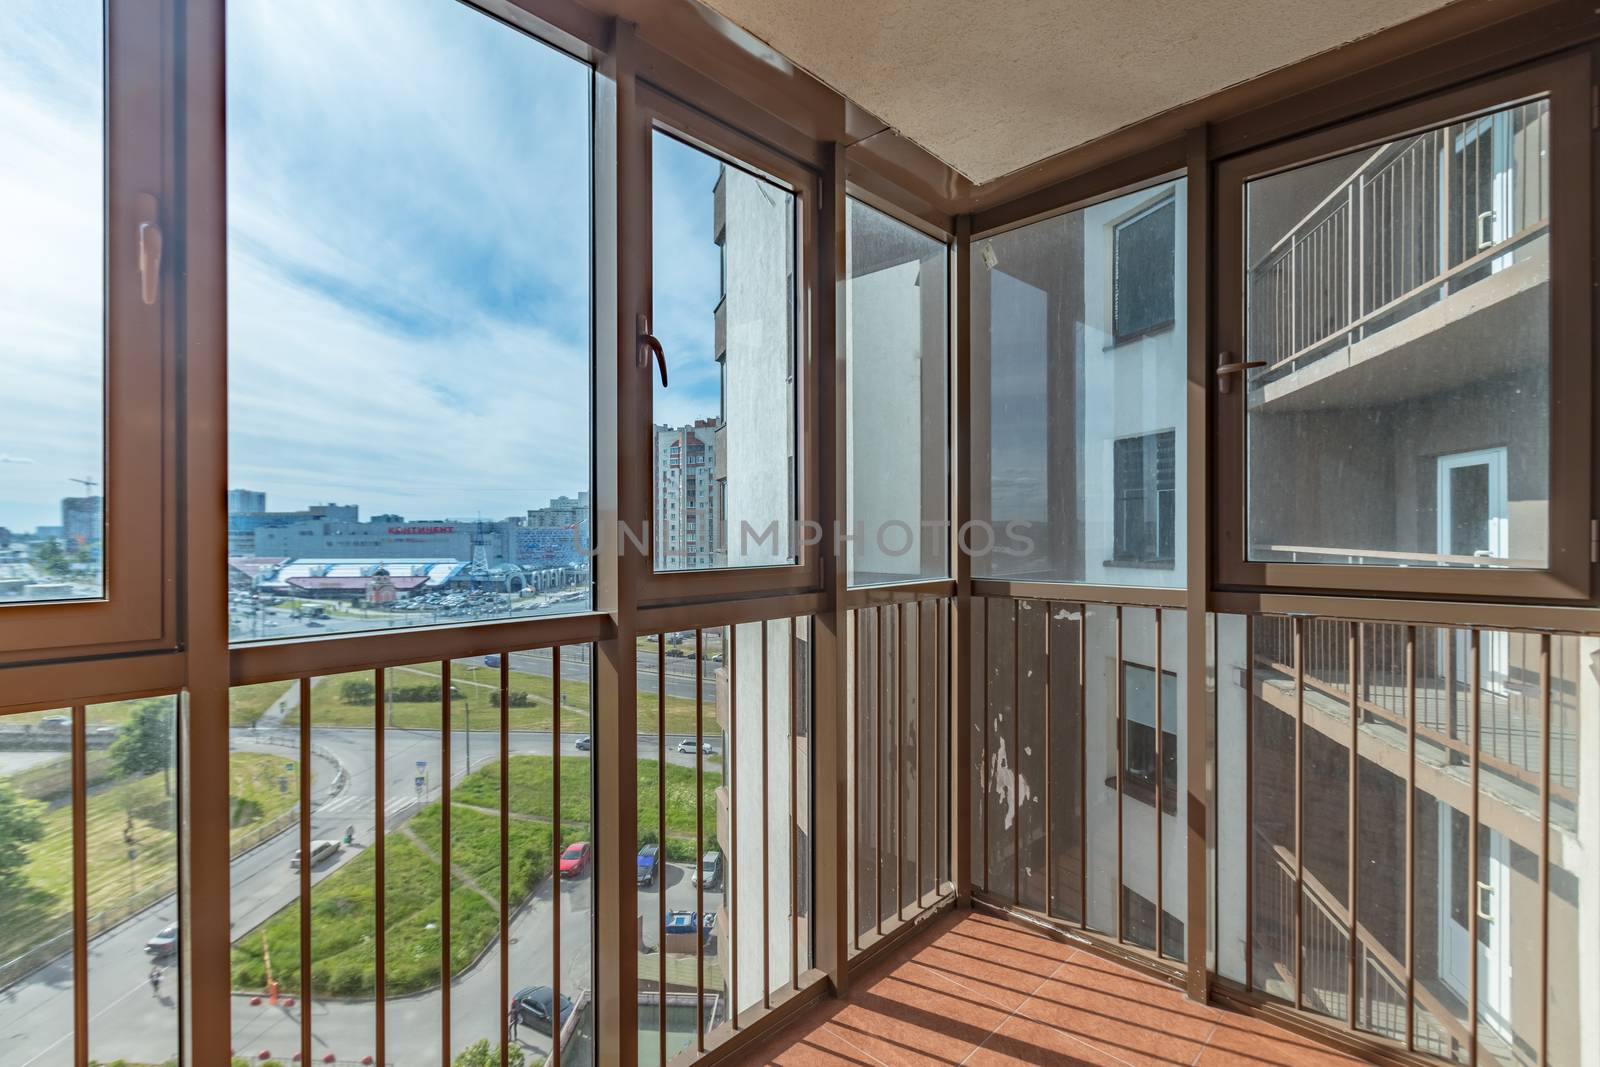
(128,1019)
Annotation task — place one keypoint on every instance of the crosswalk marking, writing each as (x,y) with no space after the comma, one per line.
(363,805)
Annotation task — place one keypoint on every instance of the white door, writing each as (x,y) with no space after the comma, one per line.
(1460,890)
(1474,520)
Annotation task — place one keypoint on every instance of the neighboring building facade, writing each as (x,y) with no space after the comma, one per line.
(689,532)
(81,521)
(246,502)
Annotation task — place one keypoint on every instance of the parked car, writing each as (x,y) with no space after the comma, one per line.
(686,746)
(575,860)
(710,870)
(492,660)
(163,944)
(321,852)
(649,864)
(583,744)
(533,1007)
(54,723)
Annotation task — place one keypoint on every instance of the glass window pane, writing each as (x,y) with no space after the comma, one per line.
(36,806)
(1574,896)
(408,312)
(724,303)
(1232,787)
(897,399)
(52,303)
(1080,321)
(1399,297)
(1100,765)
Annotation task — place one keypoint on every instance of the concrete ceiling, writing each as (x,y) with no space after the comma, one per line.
(991,86)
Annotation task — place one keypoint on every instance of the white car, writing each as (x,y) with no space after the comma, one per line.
(686,746)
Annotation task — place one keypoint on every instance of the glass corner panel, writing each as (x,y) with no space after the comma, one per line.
(1080,322)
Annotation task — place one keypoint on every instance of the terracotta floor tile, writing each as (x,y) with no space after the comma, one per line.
(1243,1041)
(909,1016)
(822,1046)
(1004,986)
(1026,1041)
(1001,932)
(1131,1016)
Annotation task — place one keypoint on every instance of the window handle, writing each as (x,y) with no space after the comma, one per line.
(150,242)
(648,344)
(1486,894)
(1226,370)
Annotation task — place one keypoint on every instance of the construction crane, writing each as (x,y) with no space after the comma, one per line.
(87,483)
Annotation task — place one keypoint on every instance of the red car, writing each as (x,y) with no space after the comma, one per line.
(575,860)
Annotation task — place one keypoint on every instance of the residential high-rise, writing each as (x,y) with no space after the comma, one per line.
(688,521)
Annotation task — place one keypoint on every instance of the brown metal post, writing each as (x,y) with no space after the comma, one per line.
(1049,713)
(1249,800)
(794,805)
(1353,676)
(1016,752)
(1160,797)
(1193,816)
(622,211)
(1544,849)
(963,606)
(730,781)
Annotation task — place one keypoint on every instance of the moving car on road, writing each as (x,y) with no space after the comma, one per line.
(687,746)
(163,944)
(321,852)
(533,1007)
(649,864)
(575,860)
(583,743)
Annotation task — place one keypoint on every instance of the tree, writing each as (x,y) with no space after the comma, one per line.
(144,745)
(483,1054)
(20,826)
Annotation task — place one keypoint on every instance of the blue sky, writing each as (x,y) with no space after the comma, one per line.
(408,259)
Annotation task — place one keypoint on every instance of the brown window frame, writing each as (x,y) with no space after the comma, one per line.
(1568,576)
(658,109)
(138,608)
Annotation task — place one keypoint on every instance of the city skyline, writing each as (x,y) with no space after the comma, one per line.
(407,327)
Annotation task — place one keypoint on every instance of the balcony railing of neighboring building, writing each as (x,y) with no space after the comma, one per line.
(1419,220)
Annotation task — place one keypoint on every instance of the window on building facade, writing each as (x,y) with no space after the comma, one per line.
(724,245)
(1143,473)
(1058,392)
(897,309)
(52,304)
(426,368)
(1143,269)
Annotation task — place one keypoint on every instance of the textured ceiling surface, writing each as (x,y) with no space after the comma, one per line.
(991,86)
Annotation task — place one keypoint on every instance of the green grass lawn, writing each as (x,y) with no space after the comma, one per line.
(143,809)
(342,932)
(247,703)
(478,686)
(530,780)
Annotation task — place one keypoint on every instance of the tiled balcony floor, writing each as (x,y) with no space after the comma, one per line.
(978,990)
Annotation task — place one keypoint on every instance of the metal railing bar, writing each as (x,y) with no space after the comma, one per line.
(1544,851)
(1474,726)
(858,762)
(985,778)
(1411,837)
(661,837)
(878,683)
(730,781)
(80,888)
(794,803)
(766,827)
(1049,775)
(555,841)
(1083,767)
(305,869)
(1016,751)
(1351,816)
(700,843)
(445,863)
(1249,800)
(380,697)
(1118,717)
(1161,728)
(1299,812)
